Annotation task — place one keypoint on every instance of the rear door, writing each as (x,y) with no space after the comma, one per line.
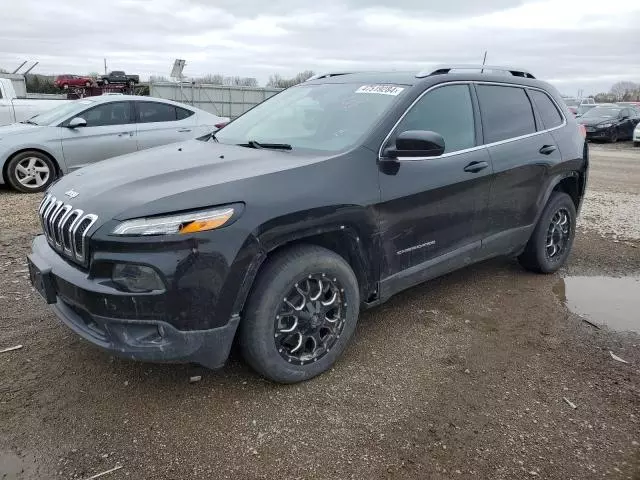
(523,152)
(110,132)
(161,123)
(430,205)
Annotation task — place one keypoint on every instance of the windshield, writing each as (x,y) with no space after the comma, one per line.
(328,117)
(607,112)
(59,113)
(571,102)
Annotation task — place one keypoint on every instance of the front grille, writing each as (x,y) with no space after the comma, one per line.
(66,228)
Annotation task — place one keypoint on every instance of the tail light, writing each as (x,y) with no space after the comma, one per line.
(582,130)
(220,125)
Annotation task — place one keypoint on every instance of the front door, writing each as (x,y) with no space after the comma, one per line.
(110,131)
(430,206)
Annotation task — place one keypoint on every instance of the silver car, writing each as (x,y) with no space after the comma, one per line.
(36,151)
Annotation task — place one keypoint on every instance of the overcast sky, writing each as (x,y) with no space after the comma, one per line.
(575,44)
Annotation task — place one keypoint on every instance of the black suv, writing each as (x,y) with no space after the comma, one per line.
(329,197)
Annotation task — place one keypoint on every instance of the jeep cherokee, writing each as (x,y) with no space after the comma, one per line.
(329,197)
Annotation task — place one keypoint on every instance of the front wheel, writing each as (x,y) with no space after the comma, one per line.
(30,172)
(300,315)
(636,144)
(613,137)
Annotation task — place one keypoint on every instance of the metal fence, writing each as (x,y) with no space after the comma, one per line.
(217,99)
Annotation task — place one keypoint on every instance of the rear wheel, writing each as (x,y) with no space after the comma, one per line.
(300,315)
(30,171)
(552,239)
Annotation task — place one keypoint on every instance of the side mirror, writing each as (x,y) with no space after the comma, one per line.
(417,143)
(77,122)
(624,117)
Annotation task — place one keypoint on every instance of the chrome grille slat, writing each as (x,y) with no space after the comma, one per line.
(61,224)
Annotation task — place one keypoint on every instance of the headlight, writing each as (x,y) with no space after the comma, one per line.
(605,125)
(183,223)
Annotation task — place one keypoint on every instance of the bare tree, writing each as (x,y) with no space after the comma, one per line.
(624,90)
(277,81)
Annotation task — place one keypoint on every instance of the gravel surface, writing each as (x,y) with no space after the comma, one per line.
(473,375)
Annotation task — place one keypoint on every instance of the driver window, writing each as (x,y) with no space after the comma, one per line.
(445,110)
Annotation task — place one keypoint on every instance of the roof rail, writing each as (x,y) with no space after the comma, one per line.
(443,69)
(327,75)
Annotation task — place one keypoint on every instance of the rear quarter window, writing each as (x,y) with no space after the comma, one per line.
(547,110)
(183,113)
(506,112)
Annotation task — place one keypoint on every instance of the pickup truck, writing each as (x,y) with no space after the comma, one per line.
(118,77)
(16,105)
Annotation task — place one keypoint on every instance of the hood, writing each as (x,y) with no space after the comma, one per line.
(19,129)
(172,178)
(595,120)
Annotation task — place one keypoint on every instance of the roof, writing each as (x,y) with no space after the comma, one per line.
(438,75)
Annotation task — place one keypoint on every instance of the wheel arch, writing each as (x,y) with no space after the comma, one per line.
(5,167)
(344,240)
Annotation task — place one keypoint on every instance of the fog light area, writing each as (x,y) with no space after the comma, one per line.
(136,278)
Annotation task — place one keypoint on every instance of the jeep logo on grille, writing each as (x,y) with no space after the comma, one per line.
(71,193)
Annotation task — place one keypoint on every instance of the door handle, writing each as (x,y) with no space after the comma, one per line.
(547,149)
(184,130)
(475,167)
(126,133)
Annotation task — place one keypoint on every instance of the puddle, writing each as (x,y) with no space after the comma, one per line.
(610,301)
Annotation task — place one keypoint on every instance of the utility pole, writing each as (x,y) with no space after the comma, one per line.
(105,66)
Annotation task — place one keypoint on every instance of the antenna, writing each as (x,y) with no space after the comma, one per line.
(484,60)
(21,65)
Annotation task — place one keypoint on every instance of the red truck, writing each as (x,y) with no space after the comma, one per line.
(66,81)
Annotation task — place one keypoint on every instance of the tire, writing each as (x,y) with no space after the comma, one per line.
(536,256)
(636,144)
(65,86)
(30,164)
(132,83)
(87,84)
(307,268)
(105,82)
(613,137)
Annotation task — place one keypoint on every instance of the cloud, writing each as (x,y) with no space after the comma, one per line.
(575,44)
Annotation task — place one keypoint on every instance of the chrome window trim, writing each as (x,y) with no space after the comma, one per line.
(477,147)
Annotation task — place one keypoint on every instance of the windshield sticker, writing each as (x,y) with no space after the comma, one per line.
(380,89)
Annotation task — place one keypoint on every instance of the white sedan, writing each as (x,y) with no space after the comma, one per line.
(36,151)
(636,136)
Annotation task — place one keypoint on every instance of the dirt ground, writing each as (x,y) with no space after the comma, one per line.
(462,377)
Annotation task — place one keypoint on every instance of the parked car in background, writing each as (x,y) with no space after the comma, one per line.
(118,77)
(80,132)
(66,81)
(16,106)
(610,122)
(584,108)
(636,136)
(574,103)
(329,197)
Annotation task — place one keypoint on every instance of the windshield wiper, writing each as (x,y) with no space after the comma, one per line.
(30,122)
(274,146)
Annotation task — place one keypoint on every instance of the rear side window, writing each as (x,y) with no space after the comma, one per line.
(149,112)
(183,113)
(549,113)
(506,112)
(445,110)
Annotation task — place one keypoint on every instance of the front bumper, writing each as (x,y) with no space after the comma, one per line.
(69,290)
